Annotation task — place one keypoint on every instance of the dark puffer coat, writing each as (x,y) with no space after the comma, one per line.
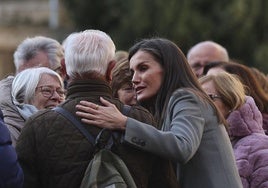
(54,154)
(11,175)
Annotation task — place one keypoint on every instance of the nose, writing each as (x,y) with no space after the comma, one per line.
(135,78)
(56,96)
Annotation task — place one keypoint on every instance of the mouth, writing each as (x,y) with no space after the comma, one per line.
(139,90)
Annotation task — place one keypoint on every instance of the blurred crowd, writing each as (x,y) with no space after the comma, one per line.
(196,120)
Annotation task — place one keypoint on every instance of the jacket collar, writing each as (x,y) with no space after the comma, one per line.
(84,88)
(245,120)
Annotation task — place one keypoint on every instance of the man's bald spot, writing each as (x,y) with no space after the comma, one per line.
(208,46)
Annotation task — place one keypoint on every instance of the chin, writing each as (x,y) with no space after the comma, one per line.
(149,97)
(132,103)
(142,98)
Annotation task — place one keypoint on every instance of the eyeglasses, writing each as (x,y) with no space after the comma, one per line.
(48,91)
(213,96)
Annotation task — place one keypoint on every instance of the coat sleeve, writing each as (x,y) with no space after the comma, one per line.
(182,130)
(11,174)
(27,155)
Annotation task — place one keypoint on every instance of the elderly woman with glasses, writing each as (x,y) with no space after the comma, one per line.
(32,90)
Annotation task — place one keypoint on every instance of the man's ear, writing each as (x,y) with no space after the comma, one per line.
(109,70)
(63,69)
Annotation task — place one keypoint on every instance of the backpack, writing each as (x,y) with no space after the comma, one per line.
(105,169)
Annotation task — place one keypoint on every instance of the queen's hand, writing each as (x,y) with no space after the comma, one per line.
(106,116)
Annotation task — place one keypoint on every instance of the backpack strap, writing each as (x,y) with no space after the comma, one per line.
(99,142)
(75,122)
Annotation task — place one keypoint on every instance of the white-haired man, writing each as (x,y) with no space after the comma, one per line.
(54,153)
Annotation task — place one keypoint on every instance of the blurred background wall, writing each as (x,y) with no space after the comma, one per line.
(239,25)
(27,18)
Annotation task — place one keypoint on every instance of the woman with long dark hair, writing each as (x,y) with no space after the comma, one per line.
(192,132)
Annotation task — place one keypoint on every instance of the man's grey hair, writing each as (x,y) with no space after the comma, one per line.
(30,47)
(25,83)
(88,51)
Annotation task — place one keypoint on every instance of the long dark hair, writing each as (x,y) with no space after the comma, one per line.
(177,73)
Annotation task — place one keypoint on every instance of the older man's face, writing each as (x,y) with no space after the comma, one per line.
(200,56)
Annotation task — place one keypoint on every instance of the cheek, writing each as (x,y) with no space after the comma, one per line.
(124,99)
(124,95)
(39,102)
(156,84)
(120,95)
(155,81)
(223,109)
(218,106)
(127,97)
(154,89)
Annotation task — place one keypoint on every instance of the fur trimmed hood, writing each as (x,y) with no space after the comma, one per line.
(245,120)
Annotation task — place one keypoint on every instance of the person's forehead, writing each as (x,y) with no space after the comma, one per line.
(140,57)
(215,70)
(204,56)
(47,79)
(42,60)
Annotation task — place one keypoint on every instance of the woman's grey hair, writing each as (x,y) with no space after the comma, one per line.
(88,51)
(25,83)
(29,48)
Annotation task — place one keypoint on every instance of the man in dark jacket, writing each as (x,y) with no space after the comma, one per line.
(52,151)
